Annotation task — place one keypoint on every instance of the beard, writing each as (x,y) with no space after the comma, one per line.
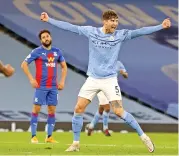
(47,44)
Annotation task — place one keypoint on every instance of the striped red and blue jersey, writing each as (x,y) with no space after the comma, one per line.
(46,66)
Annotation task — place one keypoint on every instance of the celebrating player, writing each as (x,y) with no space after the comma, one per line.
(46,58)
(104,47)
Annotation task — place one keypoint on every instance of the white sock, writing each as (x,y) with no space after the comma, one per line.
(143,136)
(76,142)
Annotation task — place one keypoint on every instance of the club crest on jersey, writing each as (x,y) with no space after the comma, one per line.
(111,38)
(50,59)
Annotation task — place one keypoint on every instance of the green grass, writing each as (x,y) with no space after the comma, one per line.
(119,144)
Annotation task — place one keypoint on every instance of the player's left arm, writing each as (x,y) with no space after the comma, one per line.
(63,65)
(149,30)
(130,34)
(121,69)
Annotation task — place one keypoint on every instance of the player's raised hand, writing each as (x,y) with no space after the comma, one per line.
(166,23)
(44,17)
(61,85)
(34,83)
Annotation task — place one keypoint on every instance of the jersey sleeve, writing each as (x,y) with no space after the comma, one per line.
(31,57)
(126,34)
(60,58)
(120,66)
(81,30)
(145,31)
(130,34)
(85,30)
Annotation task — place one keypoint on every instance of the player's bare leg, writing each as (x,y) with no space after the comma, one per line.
(34,120)
(130,120)
(50,124)
(77,123)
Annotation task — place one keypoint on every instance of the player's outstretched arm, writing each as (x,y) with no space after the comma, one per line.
(60,24)
(25,68)
(63,75)
(148,30)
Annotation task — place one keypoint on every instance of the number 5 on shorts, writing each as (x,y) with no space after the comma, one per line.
(117,90)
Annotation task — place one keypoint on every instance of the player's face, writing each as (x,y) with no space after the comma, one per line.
(46,39)
(111,24)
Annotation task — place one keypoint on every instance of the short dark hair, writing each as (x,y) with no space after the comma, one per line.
(43,31)
(108,14)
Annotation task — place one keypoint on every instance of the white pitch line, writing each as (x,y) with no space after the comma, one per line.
(101,145)
(85,155)
(93,145)
(125,146)
(25,143)
(12,142)
(26,152)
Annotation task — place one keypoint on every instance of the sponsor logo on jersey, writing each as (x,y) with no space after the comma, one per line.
(50,64)
(50,59)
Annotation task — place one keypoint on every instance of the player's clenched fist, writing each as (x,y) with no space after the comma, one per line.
(44,17)
(166,23)
(9,70)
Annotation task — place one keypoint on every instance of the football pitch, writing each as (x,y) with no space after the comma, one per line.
(18,143)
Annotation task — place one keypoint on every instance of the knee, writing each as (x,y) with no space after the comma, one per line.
(51,111)
(117,107)
(79,109)
(107,108)
(36,109)
(119,112)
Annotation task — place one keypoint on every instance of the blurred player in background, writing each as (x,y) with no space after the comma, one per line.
(46,59)
(7,70)
(104,46)
(104,107)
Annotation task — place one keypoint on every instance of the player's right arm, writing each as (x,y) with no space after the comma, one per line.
(81,30)
(31,57)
